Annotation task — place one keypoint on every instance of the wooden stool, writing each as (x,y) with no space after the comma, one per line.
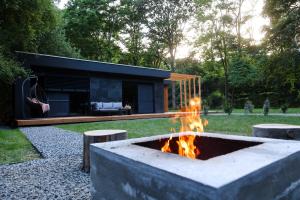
(98,136)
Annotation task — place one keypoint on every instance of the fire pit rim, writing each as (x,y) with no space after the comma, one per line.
(222,170)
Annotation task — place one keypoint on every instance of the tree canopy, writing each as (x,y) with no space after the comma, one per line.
(234,68)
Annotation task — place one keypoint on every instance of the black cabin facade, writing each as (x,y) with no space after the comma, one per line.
(76,87)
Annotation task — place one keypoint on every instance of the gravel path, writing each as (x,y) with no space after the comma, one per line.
(54,142)
(58,176)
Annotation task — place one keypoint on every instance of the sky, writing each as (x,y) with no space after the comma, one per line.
(252,29)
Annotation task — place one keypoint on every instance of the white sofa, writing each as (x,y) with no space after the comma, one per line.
(106,106)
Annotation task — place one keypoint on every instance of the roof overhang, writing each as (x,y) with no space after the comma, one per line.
(50,61)
(181,77)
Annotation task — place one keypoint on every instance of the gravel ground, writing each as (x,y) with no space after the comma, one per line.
(54,142)
(58,176)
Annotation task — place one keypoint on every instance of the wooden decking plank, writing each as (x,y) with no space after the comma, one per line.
(82,119)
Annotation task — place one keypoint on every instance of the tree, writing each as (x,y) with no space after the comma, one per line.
(166,20)
(94,27)
(216,25)
(219,42)
(9,71)
(283,68)
(284,16)
(55,42)
(23,22)
(133,32)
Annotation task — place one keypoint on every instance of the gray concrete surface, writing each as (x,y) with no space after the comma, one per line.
(278,131)
(122,170)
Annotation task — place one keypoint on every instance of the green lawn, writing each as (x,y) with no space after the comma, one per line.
(14,147)
(240,125)
(272,110)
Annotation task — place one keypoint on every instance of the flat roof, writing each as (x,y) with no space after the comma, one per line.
(51,61)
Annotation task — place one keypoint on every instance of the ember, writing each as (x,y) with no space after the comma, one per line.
(190,122)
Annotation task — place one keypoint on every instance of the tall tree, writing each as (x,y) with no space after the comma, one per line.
(283,69)
(220,23)
(133,32)
(166,20)
(217,37)
(23,22)
(94,26)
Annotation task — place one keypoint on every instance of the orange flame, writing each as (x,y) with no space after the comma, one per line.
(190,122)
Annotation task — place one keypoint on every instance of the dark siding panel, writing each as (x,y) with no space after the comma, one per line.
(106,90)
(59,104)
(159,97)
(66,83)
(145,98)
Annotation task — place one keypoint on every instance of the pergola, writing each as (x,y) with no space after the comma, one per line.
(189,85)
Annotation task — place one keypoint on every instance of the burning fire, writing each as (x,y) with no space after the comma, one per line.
(190,122)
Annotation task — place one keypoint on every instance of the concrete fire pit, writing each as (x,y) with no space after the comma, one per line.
(233,167)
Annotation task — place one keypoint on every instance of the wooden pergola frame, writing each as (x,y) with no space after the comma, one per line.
(183,80)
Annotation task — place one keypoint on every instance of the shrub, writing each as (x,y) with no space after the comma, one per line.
(284,108)
(266,107)
(205,107)
(227,107)
(215,99)
(248,107)
(9,71)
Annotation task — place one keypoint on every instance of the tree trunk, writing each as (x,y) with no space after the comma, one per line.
(98,136)
(172,54)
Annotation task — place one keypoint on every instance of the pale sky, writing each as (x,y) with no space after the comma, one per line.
(252,29)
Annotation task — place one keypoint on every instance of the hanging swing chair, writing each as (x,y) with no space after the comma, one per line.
(37,100)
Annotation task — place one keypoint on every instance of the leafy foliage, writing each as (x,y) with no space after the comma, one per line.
(23,22)
(94,27)
(166,19)
(9,71)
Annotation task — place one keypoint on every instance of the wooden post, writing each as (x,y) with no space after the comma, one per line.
(180,89)
(199,86)
(190,91)
(173,95)
(184,85)
(194,81)
(98,136)
(166,99)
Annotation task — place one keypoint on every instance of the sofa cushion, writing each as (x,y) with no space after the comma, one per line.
(99,105)
(107,105)
(117,105)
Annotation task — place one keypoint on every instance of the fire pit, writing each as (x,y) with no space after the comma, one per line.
(228,167)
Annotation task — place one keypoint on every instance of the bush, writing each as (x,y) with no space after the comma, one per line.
(266,107)
(215,99)
(227,107)
(205,107)
(9,71)
(248,107)
(284,108)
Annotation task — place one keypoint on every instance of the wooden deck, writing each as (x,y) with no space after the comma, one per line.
(82,119)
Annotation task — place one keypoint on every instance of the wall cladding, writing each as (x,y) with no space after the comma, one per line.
(159,97)
(105,90)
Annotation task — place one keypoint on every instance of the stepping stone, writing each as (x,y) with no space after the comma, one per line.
(277,131)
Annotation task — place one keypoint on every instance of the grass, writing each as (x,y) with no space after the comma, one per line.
(135,128)
(14,147)
(272,110)
(239,125)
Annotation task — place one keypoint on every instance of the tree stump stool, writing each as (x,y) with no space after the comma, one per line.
(277,131)
(98,136)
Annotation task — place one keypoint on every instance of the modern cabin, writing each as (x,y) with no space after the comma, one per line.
(72,87)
